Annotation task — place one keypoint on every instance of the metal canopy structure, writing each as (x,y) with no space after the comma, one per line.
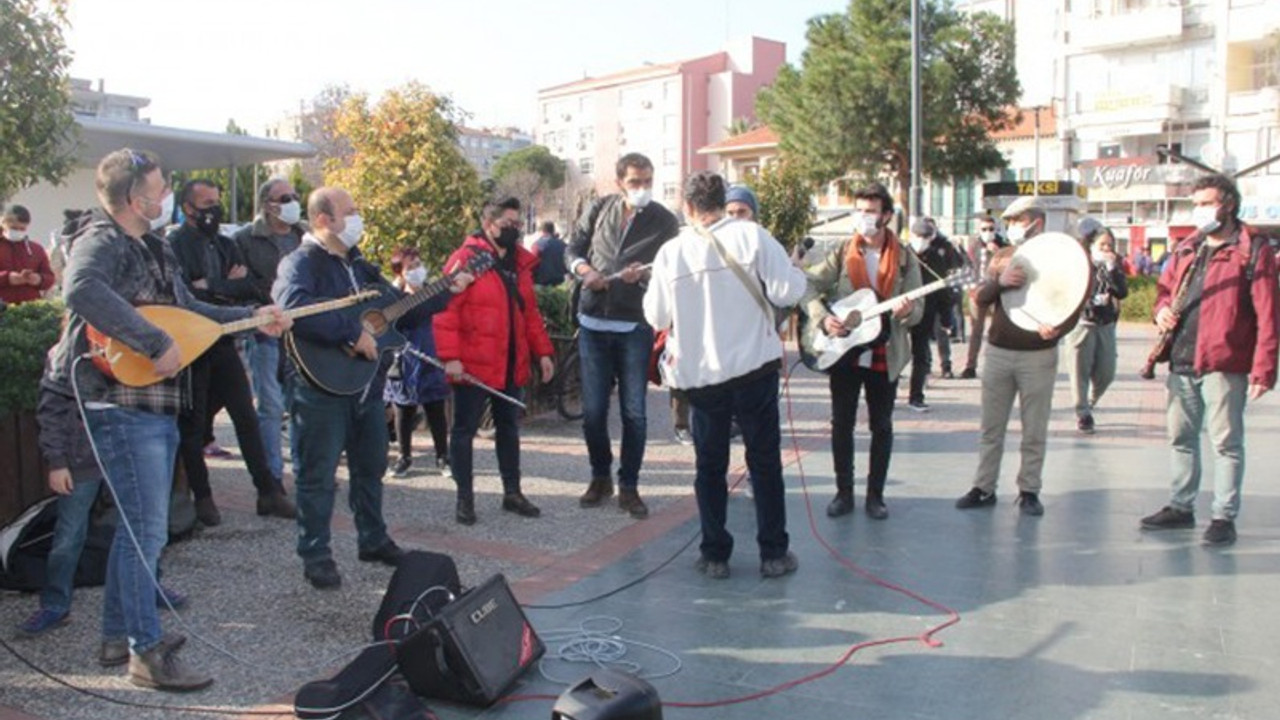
(181,149)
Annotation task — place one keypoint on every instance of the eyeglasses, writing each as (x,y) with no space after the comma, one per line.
(285,199)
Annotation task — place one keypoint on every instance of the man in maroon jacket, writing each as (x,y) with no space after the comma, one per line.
(1217,295)
(24,265)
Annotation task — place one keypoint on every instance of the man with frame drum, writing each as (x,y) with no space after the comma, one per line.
(1019,363)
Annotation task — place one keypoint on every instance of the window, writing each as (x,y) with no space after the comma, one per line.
(670,192)
(935,199)
(1265,70)
(670,157)
(1108,150)
(586,165)
(962,205)
(1027,173)
(1008,175)
(586,138)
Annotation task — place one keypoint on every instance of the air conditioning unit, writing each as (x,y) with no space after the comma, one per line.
(566,117)
(582,145)
(646,104)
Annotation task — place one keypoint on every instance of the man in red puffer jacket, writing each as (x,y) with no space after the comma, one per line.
(490,331)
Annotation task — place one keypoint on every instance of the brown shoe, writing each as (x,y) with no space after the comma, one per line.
(629,501)
(276,505)
(207,513)
(600,489)
(160,668)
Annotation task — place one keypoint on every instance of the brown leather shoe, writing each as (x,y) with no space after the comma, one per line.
(207,512)
(597,492)
(629,501)
(276,505)
(160,668)
(520,505)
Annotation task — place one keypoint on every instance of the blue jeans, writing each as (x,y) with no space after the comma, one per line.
(468,406)
(264,368)
(137,450)
(323,426)
(68,540)
(1217,399)
(607,357)
(755,405)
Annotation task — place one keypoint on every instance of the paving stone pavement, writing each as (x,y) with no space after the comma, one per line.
(948,614)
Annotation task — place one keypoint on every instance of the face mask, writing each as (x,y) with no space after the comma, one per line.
(918,244)
(1205,218)
(208,220)
(987,235)
(351,231)
(508,238)
(1100,257)
(1016,233)
(639,198)
(14,235)
(867,224)
(166,212)
(416,276)
(290,213)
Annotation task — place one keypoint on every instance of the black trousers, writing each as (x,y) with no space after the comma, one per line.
(921,336)
(407,417)
(847,383)
(218,379)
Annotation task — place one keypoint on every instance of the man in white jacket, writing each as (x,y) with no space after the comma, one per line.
(725,353)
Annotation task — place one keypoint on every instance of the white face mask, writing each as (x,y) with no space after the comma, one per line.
(290,212)
(1205,218)
(351,231)
(1100,257)
(166,212)
(416,276)
(1016,233)
(866,224)
(918,243)
(987,235)
(639,198)
(14,235)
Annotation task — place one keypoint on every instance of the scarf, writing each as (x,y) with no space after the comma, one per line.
(887,274)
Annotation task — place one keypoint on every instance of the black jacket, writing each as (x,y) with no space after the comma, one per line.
(262,253)
(1109,287)
(63,441)
(210,258)
(598,240)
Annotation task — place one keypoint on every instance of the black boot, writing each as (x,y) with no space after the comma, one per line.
(465,513)
(842,503)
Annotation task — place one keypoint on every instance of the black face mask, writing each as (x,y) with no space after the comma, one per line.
(508,238)
(208,220)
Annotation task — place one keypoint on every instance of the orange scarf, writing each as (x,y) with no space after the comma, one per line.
(855,265)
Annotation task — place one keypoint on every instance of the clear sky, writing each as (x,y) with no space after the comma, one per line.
(256,60)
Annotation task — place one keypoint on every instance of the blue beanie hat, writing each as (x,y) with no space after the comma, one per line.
(743,194)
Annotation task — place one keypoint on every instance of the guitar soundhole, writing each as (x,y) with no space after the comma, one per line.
(375,322)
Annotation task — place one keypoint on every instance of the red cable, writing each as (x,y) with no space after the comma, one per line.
(927,637)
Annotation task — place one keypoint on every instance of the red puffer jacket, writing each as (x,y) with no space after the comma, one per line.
(475,328)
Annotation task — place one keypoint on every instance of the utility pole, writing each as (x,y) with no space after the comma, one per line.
(917,190)
(1036,180)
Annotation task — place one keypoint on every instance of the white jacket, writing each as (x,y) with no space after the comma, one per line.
(718,331)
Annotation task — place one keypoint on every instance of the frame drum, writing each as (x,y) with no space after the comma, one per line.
(1058,274)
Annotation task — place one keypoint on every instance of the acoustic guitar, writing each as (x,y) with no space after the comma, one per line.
(870,328)
(192,333)
(338,369)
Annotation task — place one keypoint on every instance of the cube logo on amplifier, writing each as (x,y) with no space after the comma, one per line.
(473,649)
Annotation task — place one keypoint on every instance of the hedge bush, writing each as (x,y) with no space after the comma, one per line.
(1142,297)
(27,331)
(553,303)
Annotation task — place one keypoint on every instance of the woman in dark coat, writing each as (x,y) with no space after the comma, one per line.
(411,382)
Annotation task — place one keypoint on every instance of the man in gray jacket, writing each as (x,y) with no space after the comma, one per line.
(614,242)
(118,264)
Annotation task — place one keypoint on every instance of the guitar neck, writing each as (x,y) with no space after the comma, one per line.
(921,291)
(398,308)
(257,321)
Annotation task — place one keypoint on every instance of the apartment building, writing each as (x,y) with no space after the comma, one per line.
(483,147)
(666,111)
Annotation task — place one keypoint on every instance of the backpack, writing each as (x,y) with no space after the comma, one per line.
(25,544)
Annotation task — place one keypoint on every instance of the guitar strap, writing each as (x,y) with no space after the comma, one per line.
(752,287)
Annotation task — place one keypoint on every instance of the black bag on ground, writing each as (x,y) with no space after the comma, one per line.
(423,583)
(26,542)
(368,688)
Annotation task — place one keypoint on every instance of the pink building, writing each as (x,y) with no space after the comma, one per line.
(667,112)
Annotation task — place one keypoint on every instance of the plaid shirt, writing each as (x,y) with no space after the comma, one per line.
(166,396)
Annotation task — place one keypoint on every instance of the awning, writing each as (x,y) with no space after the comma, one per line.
(181,149)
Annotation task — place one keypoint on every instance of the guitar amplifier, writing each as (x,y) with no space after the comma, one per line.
(473,649)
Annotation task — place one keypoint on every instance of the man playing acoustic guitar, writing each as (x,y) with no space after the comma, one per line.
(872,258)
(118,262)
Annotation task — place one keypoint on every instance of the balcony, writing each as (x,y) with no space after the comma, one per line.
(1262,105)
(1126,29)
(1250,20)
(1142,111)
